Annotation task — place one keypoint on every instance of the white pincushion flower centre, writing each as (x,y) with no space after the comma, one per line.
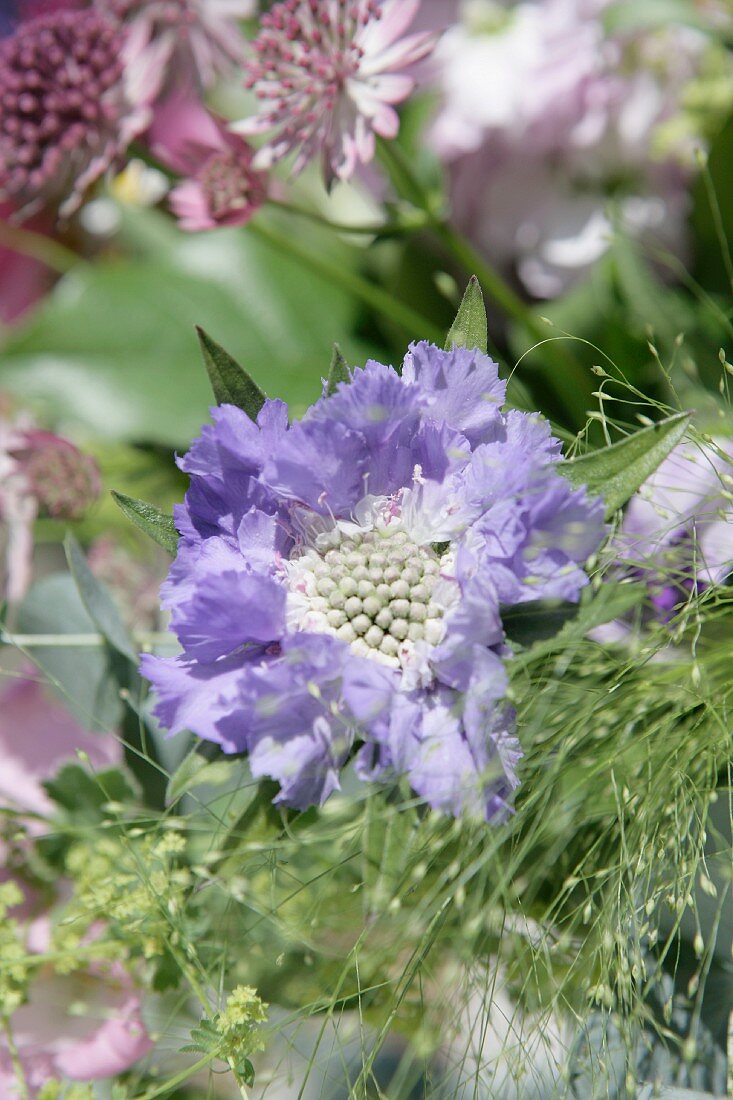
(374,588)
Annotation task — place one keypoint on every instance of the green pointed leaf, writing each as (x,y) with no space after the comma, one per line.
(469,330)
(98,602)
(229,381)
(194,770)
(616,472)
(159,526)
(338,371)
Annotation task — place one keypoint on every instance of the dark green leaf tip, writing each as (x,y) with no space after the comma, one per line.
(337,372)
(470,330)
(616,472)
(231,383)
(154,523)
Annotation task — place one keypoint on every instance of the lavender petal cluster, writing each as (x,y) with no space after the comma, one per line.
(340,581)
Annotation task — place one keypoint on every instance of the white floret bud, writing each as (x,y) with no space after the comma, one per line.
(400,589)
(361,623)
(399,628)
(374,636)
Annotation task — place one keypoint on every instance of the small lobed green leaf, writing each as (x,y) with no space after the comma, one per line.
(231,383)
(616,472)
(470,330)
(97,601)
(159,526)
(337,372)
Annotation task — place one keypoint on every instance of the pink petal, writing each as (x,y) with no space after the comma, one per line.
(37,736)
(395,18)
(112,1049)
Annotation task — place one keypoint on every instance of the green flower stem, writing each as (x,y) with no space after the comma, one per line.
(145,640)
(179,1079)
(37,246)
(417,326)
(23,1090)
(378,228)
(494,286)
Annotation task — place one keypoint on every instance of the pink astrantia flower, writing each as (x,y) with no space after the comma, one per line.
(41,474)
(220,186)
(202,37)
(76,88)
(327,74)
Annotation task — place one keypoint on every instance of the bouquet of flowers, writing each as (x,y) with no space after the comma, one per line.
(371,737)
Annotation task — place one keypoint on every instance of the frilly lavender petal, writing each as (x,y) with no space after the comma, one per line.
(339,583)
(462,388)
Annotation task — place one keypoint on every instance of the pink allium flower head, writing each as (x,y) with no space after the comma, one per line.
(326,72)
(75,89)
(202,36)
(220,187)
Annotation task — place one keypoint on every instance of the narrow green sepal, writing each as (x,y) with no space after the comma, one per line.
(97,601)
(154,523)
(231,383)
(616,472)
(337,372)
(470,330)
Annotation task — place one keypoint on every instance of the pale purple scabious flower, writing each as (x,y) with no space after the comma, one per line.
(676,537)
(551,130)
(219,186)
(75,89)
(328,74)
(202,38)
(677,533)
(339,581)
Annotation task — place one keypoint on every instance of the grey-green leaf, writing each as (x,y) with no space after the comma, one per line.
(98,602)
(231,383)
(194,771)
(469,330)
(159,526)
(337,372)
(616,472)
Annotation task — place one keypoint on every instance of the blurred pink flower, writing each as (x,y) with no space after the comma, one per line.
(202,38)
(23,279)
(220,186)
(327,73)
(76,89)
(109,1039)
(37,737)
(41,474)
(547,126)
